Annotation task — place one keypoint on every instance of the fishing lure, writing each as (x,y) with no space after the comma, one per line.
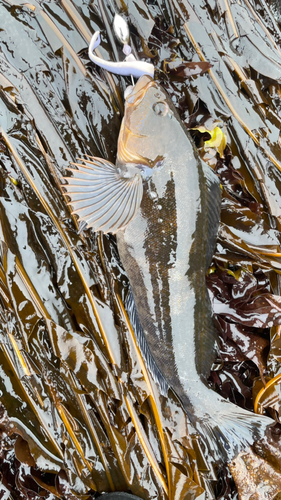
(130,66)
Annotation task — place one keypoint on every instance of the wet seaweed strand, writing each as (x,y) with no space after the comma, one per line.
(64,121)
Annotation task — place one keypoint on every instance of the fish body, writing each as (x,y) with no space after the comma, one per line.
(167,247)
(166,241)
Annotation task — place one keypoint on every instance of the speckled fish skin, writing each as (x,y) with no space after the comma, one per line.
(166,250)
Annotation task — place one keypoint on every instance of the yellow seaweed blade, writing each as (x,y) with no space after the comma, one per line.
(19,355)
(218,140)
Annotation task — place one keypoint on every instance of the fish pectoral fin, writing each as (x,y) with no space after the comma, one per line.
(101,197)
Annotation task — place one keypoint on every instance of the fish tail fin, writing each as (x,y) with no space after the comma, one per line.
(230,429)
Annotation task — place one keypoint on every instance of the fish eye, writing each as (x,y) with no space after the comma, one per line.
(160,108)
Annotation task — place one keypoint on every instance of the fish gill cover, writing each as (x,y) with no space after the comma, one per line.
(80,413)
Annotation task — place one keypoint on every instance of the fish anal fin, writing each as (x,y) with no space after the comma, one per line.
(150,363)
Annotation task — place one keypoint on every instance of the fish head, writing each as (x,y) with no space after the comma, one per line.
(149,126)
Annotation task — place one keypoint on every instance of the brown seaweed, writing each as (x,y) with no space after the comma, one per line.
(81,413)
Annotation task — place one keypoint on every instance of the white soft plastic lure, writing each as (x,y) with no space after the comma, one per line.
(129,67)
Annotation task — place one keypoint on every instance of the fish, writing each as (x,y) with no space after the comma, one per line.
(163,203)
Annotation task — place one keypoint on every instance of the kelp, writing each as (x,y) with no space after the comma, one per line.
(81,414)
(180,70)
(73,382)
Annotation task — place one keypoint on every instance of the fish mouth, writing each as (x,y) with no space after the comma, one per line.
(127,150)
(139,90)
(125,154)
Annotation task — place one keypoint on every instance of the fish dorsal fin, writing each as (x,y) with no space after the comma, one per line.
(101,196)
